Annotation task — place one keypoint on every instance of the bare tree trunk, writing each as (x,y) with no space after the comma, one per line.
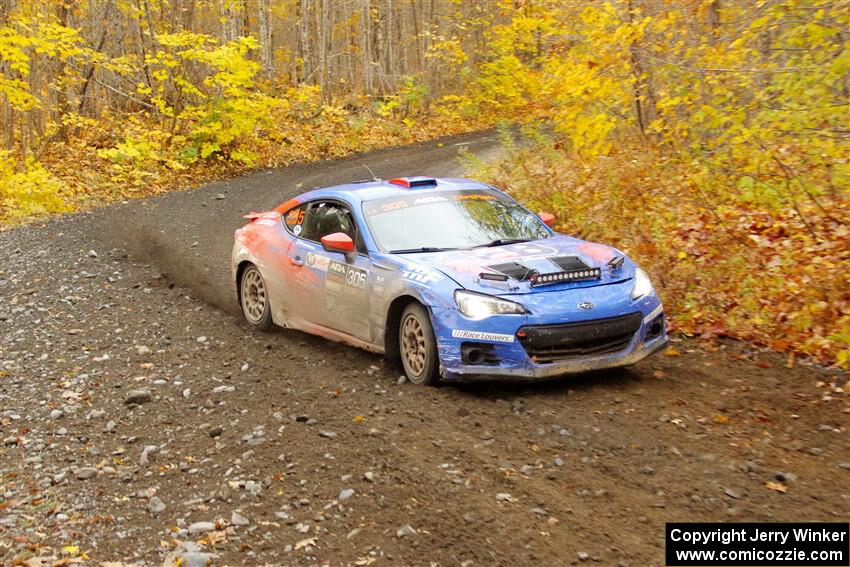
(404,42)
(322,26)
(188,14)
(61,94)
(266,50)
(228,11)
(378,55)
(7,113)
(138,24)
(644,98)
(232,20)
(416,34)
(176,9)
(306,59)
(389,52)
(91,70)
(366,44)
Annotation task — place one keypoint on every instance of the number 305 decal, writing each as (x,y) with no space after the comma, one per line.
(356,278)
(339,273)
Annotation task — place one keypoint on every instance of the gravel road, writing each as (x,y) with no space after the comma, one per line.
(142,422)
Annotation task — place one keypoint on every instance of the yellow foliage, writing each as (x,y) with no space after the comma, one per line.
(31,191)
(710,139)
(720,160)
(723,268)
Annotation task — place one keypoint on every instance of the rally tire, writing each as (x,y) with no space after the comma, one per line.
(254,299)
(418,346)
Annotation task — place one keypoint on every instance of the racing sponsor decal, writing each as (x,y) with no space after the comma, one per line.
(296,230)
(426,200)
(336,272)
(350,276)
(356,278)
(390,204)
(294,217)
(421,275)
(393,206)
(318,261)
(481,336)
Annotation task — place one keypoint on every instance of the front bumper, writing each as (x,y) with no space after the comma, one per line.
(550,370)
(508,358)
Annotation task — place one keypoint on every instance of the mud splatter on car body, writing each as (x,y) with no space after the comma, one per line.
(576,304)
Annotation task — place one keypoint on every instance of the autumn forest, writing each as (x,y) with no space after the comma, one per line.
(708,138)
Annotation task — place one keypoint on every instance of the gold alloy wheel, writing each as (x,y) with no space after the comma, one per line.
(253,295)
(413,344)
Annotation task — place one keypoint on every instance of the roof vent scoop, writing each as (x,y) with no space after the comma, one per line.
(414,182)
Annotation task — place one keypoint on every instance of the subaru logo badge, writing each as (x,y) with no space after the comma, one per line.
(585,305)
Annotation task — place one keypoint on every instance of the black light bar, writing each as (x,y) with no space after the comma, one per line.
(566,276)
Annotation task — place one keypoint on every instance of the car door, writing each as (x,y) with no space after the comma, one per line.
(304,283)
(329,289)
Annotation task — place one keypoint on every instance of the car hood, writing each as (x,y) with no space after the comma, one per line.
(466,266)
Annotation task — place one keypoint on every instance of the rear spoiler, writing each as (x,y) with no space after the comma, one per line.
(267,217)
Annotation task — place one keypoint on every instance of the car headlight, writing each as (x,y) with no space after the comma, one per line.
(478,306)
(642,284)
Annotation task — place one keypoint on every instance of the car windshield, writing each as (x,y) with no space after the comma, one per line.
(423,222)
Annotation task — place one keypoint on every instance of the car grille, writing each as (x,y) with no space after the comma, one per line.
(550,343)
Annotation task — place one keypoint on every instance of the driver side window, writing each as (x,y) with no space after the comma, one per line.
(322,218)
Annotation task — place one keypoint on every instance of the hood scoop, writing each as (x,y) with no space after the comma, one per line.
(568,263)
(512,270)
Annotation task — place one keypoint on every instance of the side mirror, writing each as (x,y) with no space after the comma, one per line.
(338,242)
(547,218)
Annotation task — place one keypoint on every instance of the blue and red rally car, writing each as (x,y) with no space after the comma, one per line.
(452,276)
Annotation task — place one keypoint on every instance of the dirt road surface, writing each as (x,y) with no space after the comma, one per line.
(141,420)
